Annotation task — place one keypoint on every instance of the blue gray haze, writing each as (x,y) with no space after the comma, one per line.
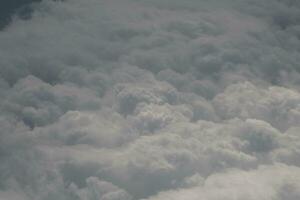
(151,100)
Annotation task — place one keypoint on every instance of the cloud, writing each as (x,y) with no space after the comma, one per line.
(97,189)
(151,100)
(267,182)
(276,105)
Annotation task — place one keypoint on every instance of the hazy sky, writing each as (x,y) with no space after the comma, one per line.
(150,99)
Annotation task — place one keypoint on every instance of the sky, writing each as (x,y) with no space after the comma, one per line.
(150,100)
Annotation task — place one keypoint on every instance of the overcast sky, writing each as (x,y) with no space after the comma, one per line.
(150,100)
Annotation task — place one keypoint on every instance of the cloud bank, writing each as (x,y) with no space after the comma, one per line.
(152,100)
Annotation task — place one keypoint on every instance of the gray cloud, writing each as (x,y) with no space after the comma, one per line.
(266,182)
(151,100)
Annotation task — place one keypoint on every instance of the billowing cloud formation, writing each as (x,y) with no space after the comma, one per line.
(263,183)
(169,99)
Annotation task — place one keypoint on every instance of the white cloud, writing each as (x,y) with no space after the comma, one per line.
(267,182)
(276,105)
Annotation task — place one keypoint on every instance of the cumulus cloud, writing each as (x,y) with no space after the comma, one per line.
(276,105)
(267,182)
(127,99)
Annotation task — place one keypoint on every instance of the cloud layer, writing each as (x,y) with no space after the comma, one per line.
(153,100)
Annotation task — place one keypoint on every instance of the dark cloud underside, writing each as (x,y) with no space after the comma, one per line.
(9,8)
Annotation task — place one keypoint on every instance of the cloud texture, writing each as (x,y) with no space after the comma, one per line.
(152,100)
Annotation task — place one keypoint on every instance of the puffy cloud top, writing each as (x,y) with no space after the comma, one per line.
(169,99)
